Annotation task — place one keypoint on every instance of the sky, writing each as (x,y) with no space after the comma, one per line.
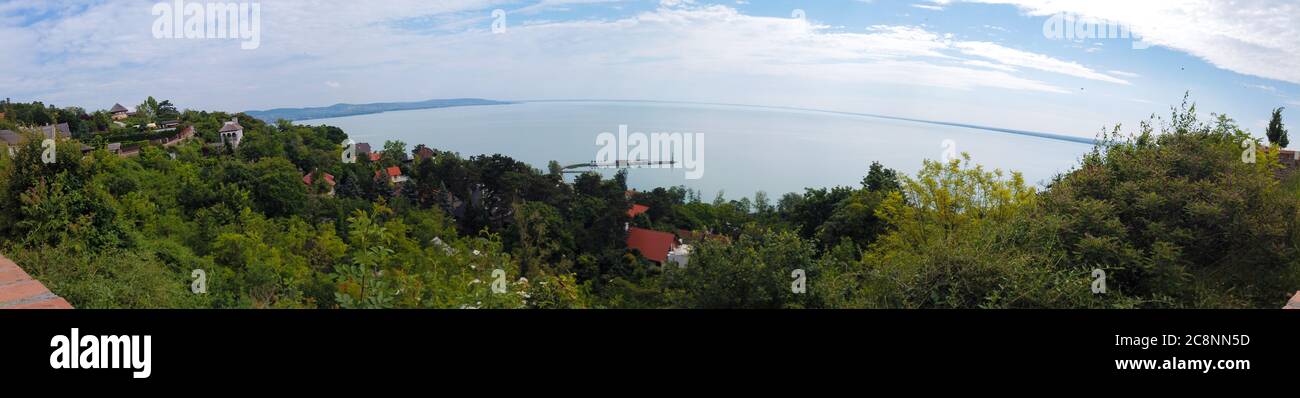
(986,62)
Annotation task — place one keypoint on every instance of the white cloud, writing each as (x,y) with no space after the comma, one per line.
(1030,60)
(1121,73)
(416,50)
(1263,87)
(990,65)
(1258,38)
(677,51)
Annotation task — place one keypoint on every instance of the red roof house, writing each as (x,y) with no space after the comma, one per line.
(329,179)
(391,174)
(637,209)
(654,245)
(424,153)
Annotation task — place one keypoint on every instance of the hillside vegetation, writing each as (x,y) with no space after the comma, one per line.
(1170,213)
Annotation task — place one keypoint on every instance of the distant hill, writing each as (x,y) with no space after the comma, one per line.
(340,110)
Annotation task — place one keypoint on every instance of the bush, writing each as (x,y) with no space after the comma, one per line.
(108,279)
(1177,219)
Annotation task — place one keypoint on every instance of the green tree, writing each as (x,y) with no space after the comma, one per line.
(1177,219)
(1276,132)
(756,271)
(881,179)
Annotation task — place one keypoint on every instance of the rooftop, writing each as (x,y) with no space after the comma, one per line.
(329,179)
(232,125)
(10,137)
(19,291)
(654,245)
(60,130)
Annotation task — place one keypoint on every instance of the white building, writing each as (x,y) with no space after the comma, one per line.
(232,133)
(680,255)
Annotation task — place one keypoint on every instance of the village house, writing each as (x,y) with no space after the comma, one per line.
(424,153)
(56,132)
(660,247)
(392,175)
(1288,158)
(119,112)
(680,255)
(329,180)
(363,150)
(127,152)
(232,133)
(11,138)
(653,245)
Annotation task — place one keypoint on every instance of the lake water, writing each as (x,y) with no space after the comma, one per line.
(746,149)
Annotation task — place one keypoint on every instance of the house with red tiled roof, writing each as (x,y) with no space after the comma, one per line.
(392,175)
(19,291)
(424,153)
(636,210)
(653,245)
(329,180)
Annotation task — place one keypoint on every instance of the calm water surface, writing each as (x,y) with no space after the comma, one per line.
(746,149)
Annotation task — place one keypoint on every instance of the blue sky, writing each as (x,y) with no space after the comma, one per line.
(973,61)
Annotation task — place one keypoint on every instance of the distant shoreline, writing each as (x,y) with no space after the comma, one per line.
(344,110)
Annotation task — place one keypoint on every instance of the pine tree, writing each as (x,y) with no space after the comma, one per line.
(1276,130)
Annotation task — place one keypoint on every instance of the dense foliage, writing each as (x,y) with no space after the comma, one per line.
(1174,218)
